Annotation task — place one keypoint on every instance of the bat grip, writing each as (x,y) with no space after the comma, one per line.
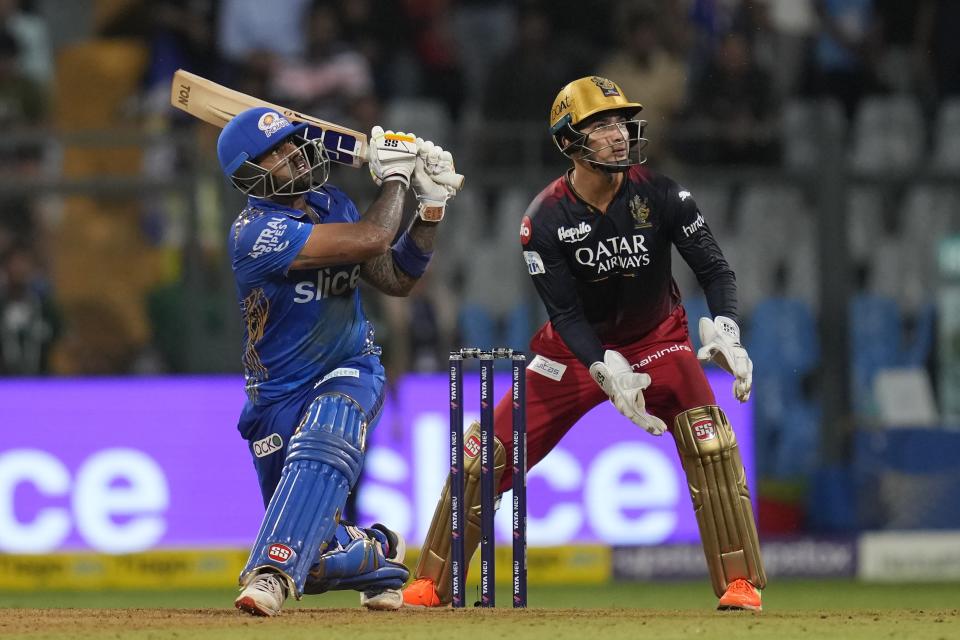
(455,180)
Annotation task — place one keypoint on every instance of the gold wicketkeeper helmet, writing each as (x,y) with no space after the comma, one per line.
(587,98)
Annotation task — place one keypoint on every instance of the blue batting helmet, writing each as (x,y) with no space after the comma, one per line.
(254,132)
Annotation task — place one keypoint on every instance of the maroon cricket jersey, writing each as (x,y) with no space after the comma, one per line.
(605,278)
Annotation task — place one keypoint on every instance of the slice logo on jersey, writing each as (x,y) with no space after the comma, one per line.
(268,445)
(330,282)
(693,227)
(548,368)
(279,552)
(526,230)
(640,210)
(606,86)
(269,238)
(574,234)
(534,262)
(472,446)
(703,430)
(340,372)
(271,122)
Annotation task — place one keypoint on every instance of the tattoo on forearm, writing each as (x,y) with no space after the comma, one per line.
(383,273)
(387,209)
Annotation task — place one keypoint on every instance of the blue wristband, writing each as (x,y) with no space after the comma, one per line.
(408,256)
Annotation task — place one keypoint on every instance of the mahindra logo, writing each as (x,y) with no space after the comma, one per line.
(574,234)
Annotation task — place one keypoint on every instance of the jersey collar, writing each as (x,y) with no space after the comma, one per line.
(319,200)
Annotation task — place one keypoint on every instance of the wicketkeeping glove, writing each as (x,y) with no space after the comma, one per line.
(392,156)
(721,343)
(625,388)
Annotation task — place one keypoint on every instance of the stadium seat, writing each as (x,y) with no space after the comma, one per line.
(888,134)
(875,343)
(946,145)
(801,127)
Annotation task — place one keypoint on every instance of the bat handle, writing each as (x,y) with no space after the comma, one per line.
(455,181)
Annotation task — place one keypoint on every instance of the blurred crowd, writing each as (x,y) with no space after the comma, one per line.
(718,79)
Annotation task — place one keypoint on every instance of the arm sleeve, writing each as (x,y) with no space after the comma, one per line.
(699,249)
(557,288)
(267,245)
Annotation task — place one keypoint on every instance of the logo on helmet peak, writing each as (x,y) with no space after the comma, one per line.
(605,86)
(271,122)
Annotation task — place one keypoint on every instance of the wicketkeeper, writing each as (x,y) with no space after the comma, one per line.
(597,243)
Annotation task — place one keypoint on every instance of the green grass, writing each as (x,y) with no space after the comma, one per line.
(830,595)
(664,611)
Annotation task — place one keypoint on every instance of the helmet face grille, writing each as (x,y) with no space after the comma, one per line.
(621,152)
(307,168)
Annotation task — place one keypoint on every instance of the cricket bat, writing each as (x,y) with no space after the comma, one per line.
(217,104)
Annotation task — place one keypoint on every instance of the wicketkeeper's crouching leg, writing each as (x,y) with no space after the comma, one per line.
(718,487)
(432,585)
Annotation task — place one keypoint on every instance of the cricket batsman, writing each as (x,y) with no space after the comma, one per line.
(314,381)
(597,243)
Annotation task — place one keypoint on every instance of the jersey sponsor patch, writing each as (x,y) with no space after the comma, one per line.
(693,227)
(574,234)
(526,230)
(268,445)
(548,368)
(341,372)
(269,238)
(534,262)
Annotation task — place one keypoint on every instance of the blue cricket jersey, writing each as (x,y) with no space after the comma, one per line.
(298,325)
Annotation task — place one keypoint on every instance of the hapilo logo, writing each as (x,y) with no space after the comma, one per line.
(279,553)
(472,446)
(574,234)
(526,230)
(268,445)
(704,430)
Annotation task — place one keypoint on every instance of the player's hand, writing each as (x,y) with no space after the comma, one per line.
(625,388)
(392,156)
(721,343)
(431,180)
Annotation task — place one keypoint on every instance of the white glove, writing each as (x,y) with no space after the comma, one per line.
(433,164)
(625,388)
(392,156)
(721,343)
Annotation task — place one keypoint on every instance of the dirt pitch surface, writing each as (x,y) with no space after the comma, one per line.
(553,624)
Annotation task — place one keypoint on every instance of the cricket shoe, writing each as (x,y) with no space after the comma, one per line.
(421,593)
(264,595)
(740,595)
(394,548)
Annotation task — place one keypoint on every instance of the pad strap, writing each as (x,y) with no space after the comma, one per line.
(360,564)
(718,487)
